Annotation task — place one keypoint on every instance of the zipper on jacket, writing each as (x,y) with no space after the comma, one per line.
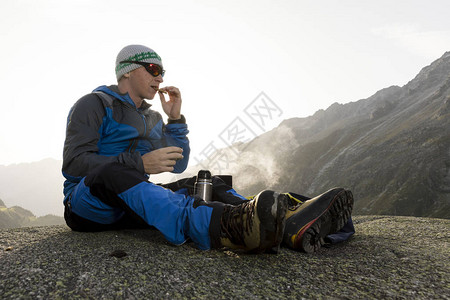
(145,122)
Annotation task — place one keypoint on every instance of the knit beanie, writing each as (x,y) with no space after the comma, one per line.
(136,53)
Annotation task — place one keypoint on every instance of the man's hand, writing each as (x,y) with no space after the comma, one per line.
(161,160)
(172,108)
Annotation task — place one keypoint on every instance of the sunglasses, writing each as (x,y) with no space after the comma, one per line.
(154,69)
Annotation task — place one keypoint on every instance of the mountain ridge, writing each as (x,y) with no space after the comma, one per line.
(36,186)
(391,149)
(16,216)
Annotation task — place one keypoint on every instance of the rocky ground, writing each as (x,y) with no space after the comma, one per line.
(389,257)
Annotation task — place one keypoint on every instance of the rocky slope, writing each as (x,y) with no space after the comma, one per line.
(387,258)
(391,149)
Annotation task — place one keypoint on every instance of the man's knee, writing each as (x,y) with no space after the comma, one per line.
(115,177)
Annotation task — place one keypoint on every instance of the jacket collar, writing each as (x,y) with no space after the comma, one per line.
(113,90)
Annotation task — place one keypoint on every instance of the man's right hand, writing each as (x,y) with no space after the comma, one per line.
(161,160)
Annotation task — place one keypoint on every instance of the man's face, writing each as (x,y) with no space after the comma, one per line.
(143,84)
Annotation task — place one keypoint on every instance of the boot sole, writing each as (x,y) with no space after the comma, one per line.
(272,228)
(311,236)
(282,205)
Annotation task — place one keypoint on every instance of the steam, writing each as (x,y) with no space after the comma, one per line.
(255,166)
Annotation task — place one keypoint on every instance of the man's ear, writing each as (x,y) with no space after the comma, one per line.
(126,75)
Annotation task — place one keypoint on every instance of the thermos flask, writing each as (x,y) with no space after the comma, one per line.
(203,185)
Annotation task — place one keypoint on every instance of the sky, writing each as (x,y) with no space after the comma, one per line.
(226,57)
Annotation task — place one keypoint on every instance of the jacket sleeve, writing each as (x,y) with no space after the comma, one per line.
(176,135)
(83,132)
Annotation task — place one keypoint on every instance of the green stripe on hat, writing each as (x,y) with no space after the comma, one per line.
(138,57)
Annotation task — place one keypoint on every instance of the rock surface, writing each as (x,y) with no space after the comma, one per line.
(389,257)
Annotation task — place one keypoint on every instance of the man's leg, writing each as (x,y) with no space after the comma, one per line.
(85,212)
(114,191)
(78,223)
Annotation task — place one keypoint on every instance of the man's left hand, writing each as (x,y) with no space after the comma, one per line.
(172,108)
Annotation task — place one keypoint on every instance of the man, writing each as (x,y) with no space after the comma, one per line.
(114,141)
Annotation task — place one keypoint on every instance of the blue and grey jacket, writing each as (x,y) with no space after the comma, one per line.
(105,126)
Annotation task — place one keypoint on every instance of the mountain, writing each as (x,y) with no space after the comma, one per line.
(17,216)
(391,149)
(36,186)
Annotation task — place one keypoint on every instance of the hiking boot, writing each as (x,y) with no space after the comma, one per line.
(308,223)
(254,226)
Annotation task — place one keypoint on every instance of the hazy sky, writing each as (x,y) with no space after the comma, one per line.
(304,55)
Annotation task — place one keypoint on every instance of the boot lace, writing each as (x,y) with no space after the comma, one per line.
(237,221)
(293,202)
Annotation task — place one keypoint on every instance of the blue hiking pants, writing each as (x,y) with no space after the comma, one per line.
(115,196)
